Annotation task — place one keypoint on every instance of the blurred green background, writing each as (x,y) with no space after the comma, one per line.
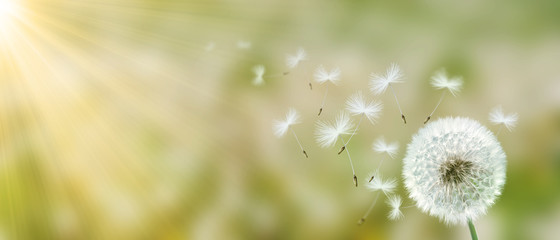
(118,120)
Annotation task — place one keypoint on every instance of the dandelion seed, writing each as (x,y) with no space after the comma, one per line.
(454,169)
(259,73)
(381,146)
(293,60)
(328,134)
(321,75)
(441,81)
(395,202)
(281,127)
(378,184)
(497,117)
(356,104)
(243,44)
(210,46)
(380,83)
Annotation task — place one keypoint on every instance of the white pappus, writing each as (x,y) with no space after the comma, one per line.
(282,126)
(379,83)
(258,70)
(454,169)
(498,117)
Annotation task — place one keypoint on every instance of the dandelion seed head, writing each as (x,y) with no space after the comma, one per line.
(293,60)
(281,127)
(497,117)
(356,104)
(321,75)
(381,146)
(327,134)
(454,169)
(440,80)
(378,184)
(379,83)
(395,202)
(259,73)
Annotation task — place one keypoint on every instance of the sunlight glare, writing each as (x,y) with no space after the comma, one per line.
(8,10)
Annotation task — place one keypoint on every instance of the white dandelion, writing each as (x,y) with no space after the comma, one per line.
(440,80)
(381,146)
(259,75)
(380,83)
(281,127)
(454,169)
(328,134)
(293,60)
(321,75)
(356,104)
(241,44)
(395,202)
(498,117)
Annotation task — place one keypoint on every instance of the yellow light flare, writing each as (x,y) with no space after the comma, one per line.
(7,6)
(8,9)
(98,115)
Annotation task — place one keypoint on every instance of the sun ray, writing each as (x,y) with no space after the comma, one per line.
(90,109)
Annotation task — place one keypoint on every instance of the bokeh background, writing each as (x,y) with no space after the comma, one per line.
(137,119)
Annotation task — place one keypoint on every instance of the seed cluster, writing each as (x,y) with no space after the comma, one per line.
(455,171)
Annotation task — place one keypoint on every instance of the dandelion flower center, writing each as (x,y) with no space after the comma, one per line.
(455,171)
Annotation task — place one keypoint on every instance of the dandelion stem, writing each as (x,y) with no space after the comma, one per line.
(324,98)
(297,139)
(473,231)
(353,133)
(380,163)
(378,166)
(440,100)
(363,219)
(398,105)
(356,129)
(276,75)
(351,164)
